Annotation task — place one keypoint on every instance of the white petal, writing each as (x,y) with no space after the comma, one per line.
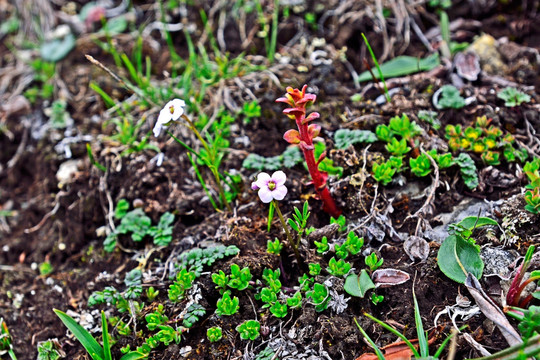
(163,119)
(262,180)
(265,195)
(279,192)
(279,177)
(178,106)
(157,129)
(254,186)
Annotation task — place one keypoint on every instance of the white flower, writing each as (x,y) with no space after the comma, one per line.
(270,187)
(171,112)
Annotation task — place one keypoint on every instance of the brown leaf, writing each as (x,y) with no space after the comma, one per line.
(389,277)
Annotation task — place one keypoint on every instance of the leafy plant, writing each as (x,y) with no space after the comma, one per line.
(397,147)
(156,318)
(351,246)
(338,267)
(214,334)
(320,296)
(195,259)
(274,247)
(49,350)
(421,166)
(513,297)
(314,269)
(249,329)
(227,305)
(343,138)
(322,246)
(96,351)
(184,281)
(379,70)
(295,301)
(278,309)
(450,98)
(373,262)
(513,97)
(459,254)
(239,279)
(299,221)
(468,170)
(383,172)
(251,110)
(430,117)
(341,221)
(532,198)
(6,345)
(291,157)
(529,320)
(193,314)
(151,293)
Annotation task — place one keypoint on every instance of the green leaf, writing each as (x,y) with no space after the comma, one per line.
(422,338)
(84,337)
(134,355)
(358,285)
(105,332)
(57,49)
(471,222)
(403,65)
(121,209)
(344,138)
(457,257)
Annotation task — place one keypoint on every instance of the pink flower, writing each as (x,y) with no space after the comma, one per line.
(270,187)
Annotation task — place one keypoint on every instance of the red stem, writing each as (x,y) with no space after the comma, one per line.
(318,179)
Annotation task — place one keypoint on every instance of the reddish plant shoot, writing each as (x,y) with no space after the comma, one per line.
(303,137)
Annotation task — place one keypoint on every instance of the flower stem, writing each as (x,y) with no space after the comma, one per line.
(213,169)
(289,237)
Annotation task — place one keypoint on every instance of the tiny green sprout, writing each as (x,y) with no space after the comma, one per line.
(513,97)
(193,313)
(443,160)
(373,262)
(341,221)
(249,329)
(430,117)
(320,297)
(532,198)
(274,247)
(279,310)
(251,110)
(156,318)
(305,282)
(450,98)
(491,158)
(214,334)
(383,133)
(45,268)
(184,281)
(397,148)
(421,166)
(472,134)
(384,172)
(351,246)
(479,146)
(299,221)
(221,280)
(338,267)
(314,269)
(356,97)
(50,350)
(295,301)
(268,296)
(403,127)
(322,246)
(239,279)
(151,293)
(227,305)
(376,299)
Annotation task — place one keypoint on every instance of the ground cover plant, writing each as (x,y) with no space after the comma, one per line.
(260,179)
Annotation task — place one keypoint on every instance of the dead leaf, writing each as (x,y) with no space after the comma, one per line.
(389,277)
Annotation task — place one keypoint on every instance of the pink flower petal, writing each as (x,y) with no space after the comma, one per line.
(262,180)
(279,178)
(279,193)
(265,195)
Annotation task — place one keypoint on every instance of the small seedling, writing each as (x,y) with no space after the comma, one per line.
(373,262)
(227,306)
(184,281)
(319,296)
(513,97)
(295,301)
(274,247)
(279,310)
(151,293)
(214,334)
(341,221)
(6,345)
(384,172)
(249,329)
(532,198)
(239,279)
(450,98)
(338,267)
(322,246)
(314,269)
(517,286)
(50,350)
(421,166)
(193,313)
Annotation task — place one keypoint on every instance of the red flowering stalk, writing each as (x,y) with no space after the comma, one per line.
(303,137)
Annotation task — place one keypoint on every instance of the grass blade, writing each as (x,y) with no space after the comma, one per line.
(380,355)
(422,339)
(395,332)
(84,337)
(105,332)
